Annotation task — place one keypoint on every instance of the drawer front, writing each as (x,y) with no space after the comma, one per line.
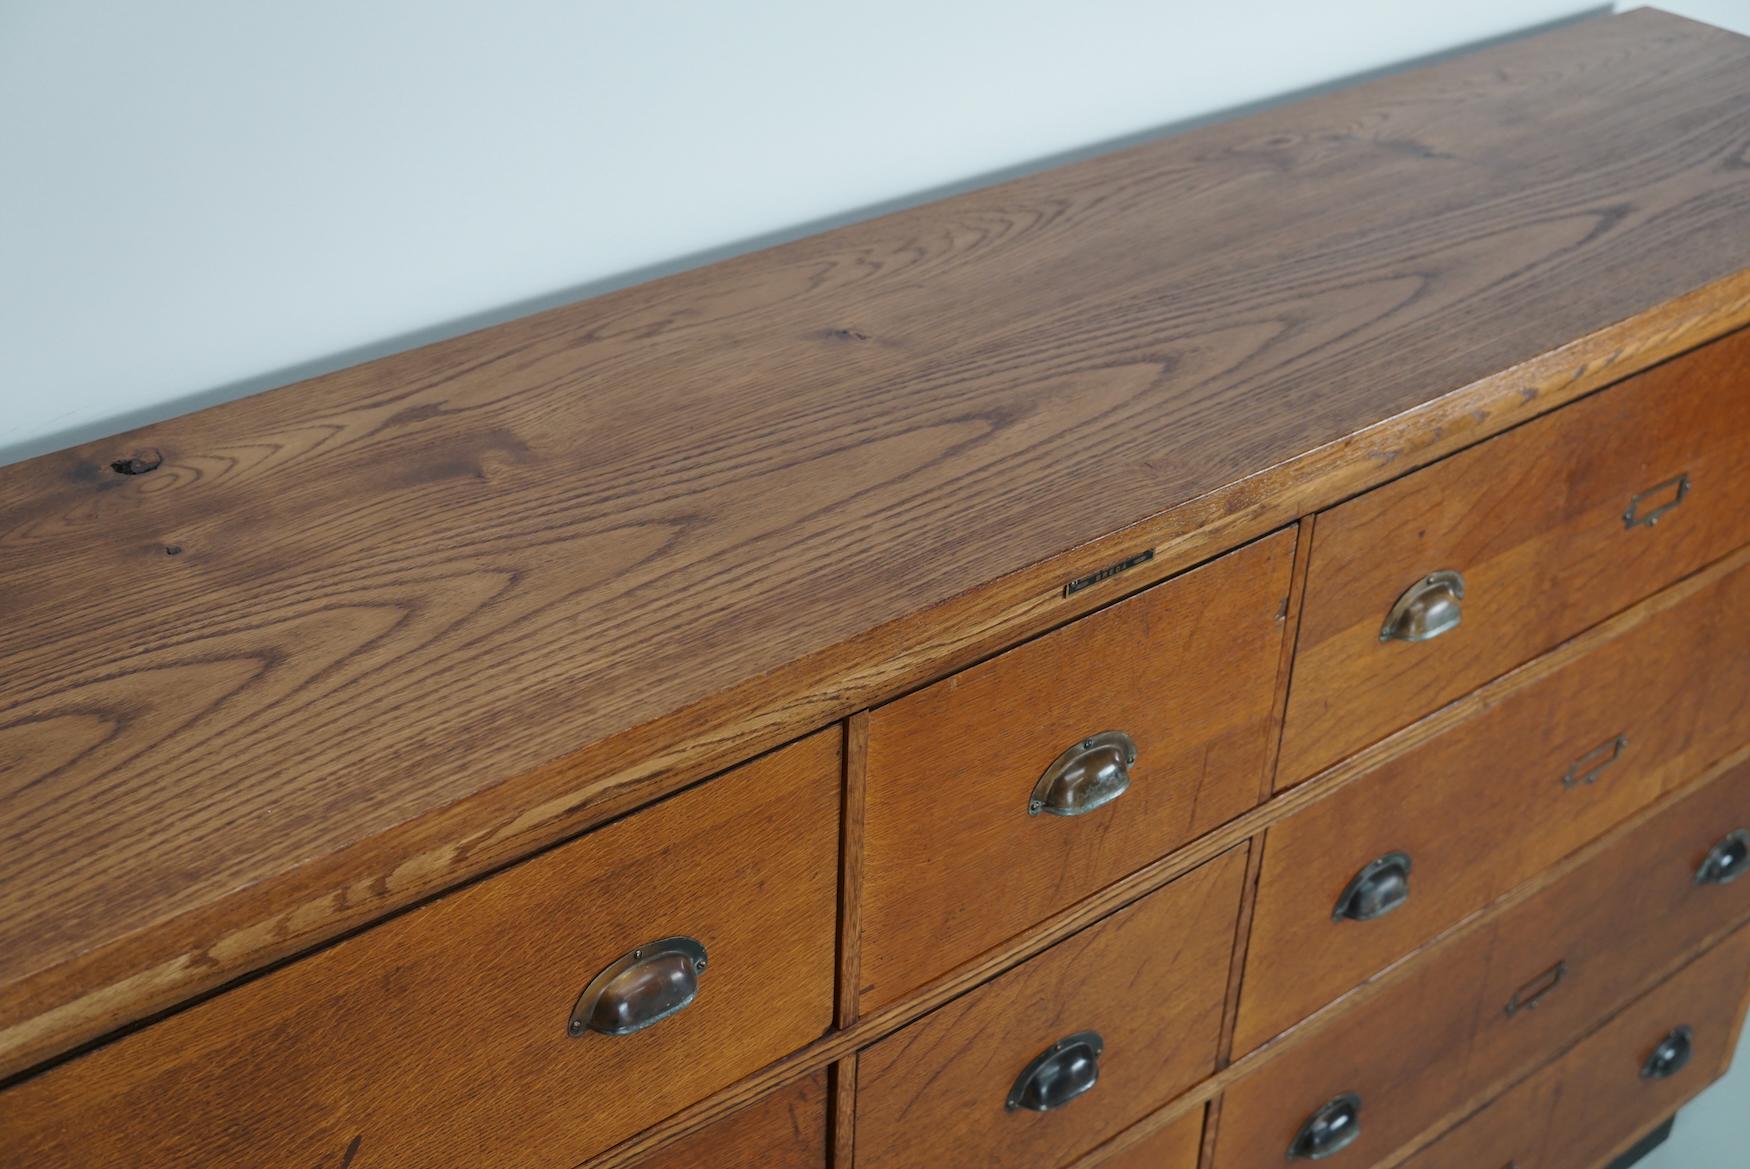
(441,1037)
(1186,670)
(1619,1083)
(1468,1013)
(1538,523)
(1148,981)
(786,1130)
(1437,831)
(1177,1146)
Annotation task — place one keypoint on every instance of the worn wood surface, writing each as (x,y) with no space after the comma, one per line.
(1593,1101)
(1535,522)
(1303,542)
(1242,945)
(1150,980)
(785,1130)
(844,1112)
(871,1028)
(440,1038)
(851,853)
(1482,806)
(357,640)
(1187,669)
(1175,1146)
(1441,1032)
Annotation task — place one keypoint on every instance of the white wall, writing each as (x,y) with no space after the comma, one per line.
(203,198)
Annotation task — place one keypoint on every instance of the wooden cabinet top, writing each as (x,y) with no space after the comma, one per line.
(281,667)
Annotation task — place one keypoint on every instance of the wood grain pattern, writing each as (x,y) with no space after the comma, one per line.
(785,1130)
(871,1028)
(1534,521)
(1187,669)
(355,641)
(1211,1128)
(1149,979)
(1483,806)
(1439,1034)
(844,1113)
(1592,1102)
(851,854)
(1303,542)
(1176,1146)
(1242,947)
(440,1037)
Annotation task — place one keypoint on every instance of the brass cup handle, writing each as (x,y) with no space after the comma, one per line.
(1381,886)
(1089,775)
(1426,609)
(1726,860)
(1671,1056)
(1067,1069)
(641,988)
(1328,1131)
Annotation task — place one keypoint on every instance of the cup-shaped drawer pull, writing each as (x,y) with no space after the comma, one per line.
(1427,608)
(1528,996)
(1089,775)
(1328,1131)
(1381,886)
(1645,507)
(641,988)
(1588,767)
(1067,1069)
(1726,860)
(1670,1056)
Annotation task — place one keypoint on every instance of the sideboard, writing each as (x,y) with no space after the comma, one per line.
(1231,652)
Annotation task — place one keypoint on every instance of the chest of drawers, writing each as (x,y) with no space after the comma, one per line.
(1228,653)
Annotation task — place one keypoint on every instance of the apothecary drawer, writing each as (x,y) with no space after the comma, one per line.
(1422,589)
(1053,1057)
(1475,1010)
(1455,819)
(1619,1082)
(534,1018)
(1020,786)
